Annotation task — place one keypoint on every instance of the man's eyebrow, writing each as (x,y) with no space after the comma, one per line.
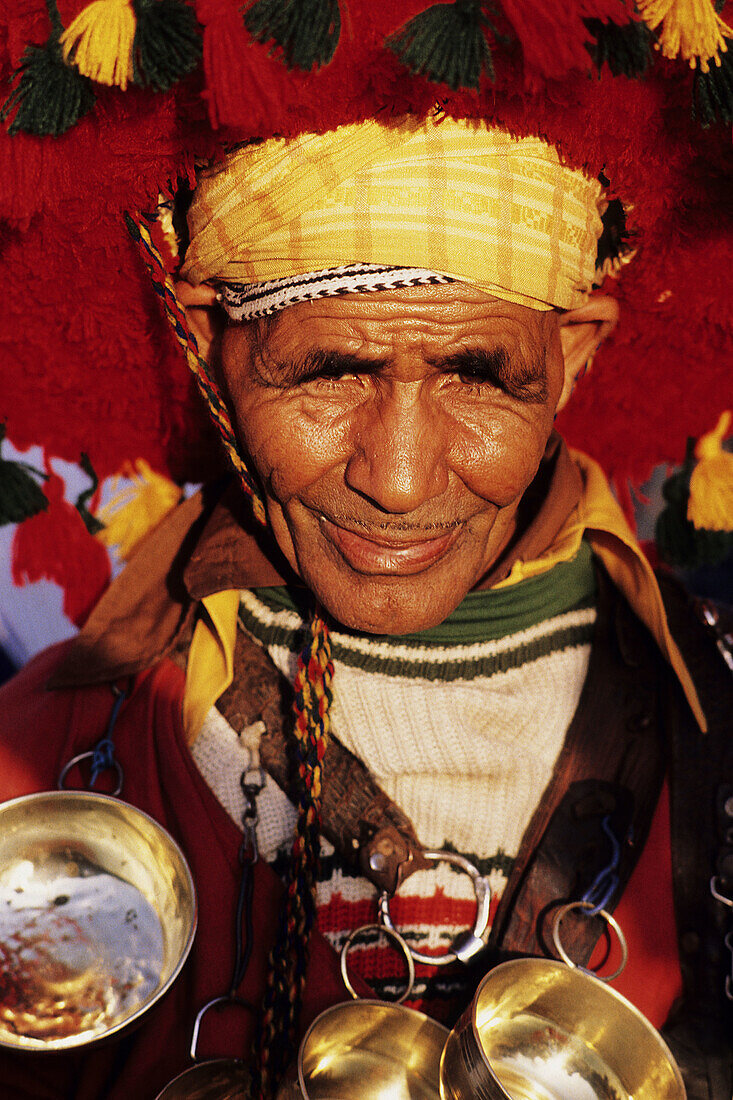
(525,381)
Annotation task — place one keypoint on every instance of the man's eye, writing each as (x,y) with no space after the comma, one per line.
(328,368)
(329,379)
(477,379)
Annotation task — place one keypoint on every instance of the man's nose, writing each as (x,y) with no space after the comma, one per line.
(400,454)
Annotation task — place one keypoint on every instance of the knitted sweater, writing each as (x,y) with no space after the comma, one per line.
(458,727)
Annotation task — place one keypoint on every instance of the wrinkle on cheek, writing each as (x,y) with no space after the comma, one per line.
(498,464)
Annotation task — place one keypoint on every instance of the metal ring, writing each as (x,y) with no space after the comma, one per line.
(608,918)
(471,942)
(717,894)
(114,766)
(397,939)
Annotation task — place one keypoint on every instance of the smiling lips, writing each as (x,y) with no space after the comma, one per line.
(379,554)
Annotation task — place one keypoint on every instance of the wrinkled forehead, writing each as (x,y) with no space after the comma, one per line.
(403,334)
(370,207)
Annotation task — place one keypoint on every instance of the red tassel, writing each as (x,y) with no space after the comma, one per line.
(553,35)
(56,546)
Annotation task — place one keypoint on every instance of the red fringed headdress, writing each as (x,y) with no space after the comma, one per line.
(89,363)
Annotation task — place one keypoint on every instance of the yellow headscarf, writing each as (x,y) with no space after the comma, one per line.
(456,198)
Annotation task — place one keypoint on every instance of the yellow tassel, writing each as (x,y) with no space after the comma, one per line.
(711,485)
(691,29)
(99,42)
(137,508)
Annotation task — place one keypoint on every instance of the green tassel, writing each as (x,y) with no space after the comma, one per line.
(50,95)
(712,92)
(679,542)
(626,50)
(447,44)
(92,524)
(307,31)
(167,43)
(20,496)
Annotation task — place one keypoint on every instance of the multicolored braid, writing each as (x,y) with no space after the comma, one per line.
(276,1042)
(286,977)
(163,286)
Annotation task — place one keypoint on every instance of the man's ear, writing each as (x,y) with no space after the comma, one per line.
(203,312)
(582,331)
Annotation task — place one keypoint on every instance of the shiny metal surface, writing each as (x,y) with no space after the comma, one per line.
(97,916)
(221,1079)
(538,1030)
(368,1050)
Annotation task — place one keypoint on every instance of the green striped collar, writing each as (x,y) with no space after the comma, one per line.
(491,613)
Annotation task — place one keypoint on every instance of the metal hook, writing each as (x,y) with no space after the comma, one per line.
(715,891)
(213,1003)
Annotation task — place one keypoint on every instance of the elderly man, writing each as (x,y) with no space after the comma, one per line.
(481,656)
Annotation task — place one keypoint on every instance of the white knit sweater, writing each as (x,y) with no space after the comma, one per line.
(463,737)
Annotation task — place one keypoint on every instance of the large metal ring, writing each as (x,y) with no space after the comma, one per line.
(396,938)
(115,766)
(468,943)
(610,921)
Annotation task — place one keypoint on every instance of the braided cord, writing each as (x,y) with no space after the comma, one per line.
(163,287)
(311,707)
(288,959)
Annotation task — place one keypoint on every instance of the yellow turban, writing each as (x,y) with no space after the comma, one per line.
(455,198)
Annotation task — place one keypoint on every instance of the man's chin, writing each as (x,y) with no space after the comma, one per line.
(380,606)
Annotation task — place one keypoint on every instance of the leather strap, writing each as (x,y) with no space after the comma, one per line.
(360,820)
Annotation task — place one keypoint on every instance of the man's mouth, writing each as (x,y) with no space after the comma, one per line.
(394,552)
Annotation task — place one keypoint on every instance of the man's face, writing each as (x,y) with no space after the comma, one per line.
(394,434)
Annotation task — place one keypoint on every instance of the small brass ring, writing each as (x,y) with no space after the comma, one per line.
(115,766)
(483,902)
(396,938)
(610,921)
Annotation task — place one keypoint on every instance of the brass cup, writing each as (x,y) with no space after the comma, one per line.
(540,1030)
(368,1050)
(97,916)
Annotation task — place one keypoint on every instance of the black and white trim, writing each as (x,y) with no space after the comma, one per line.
(247,301)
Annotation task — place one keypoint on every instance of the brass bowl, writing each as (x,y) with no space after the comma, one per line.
(97,916)
(369,1050)
(540,1030)
(221,1079)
